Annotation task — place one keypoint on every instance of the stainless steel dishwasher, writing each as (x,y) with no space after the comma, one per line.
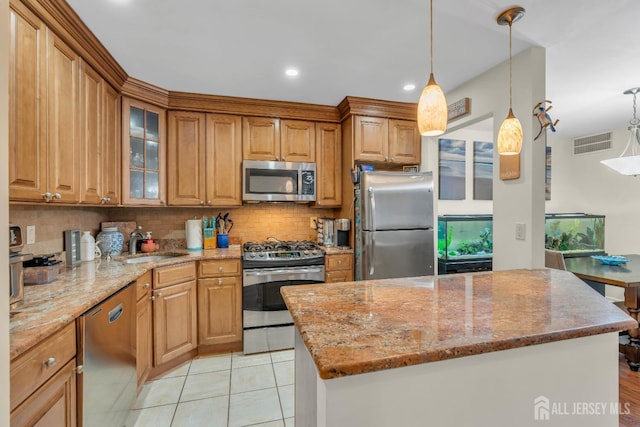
(107,355)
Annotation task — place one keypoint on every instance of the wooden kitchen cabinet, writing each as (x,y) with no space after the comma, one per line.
(144,329)
(265,138)
(204,159)
(329,165)
(100,140)
(384,140)
(220,302)
(338,268)
(43,382)
(174,312)
(44,132)
(143,153)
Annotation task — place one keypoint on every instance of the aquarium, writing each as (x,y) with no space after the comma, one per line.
(574,234)
(465,243)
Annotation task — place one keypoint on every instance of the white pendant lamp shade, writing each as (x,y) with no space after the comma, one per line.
(432,105)
(510,136)
(629,163)
(432,110)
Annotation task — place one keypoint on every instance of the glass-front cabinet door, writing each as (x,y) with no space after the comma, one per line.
(143,153)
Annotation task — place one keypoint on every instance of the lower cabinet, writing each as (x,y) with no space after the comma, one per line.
(338,268)
(175,329)
(144,328)
(43,382)
(53,404)
(219,302)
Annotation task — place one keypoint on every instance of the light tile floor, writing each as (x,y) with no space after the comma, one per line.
(231,390)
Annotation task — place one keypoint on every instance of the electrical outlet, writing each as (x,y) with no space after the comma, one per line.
(313,222)
(31,234)
(521,231)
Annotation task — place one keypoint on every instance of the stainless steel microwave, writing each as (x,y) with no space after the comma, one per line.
(265,181)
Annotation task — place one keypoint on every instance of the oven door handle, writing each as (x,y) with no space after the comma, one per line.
(267,272)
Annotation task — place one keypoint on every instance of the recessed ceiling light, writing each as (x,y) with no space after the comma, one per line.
(409,87)
(291,72)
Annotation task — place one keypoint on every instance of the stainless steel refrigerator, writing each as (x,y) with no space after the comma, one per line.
(394,225)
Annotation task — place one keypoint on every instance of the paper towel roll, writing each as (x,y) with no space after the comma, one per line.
(193,230)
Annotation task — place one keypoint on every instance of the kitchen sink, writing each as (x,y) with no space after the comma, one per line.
(151,258)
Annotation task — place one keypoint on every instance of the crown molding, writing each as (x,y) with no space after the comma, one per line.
(143,91)
(352,105)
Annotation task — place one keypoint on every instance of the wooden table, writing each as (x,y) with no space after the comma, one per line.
(626,276)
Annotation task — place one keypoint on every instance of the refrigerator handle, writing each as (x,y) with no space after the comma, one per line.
(371,245)
(372,204)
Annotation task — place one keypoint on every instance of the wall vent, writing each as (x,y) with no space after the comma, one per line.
(589,144)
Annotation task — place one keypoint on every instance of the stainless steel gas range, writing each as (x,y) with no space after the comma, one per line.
(267,266)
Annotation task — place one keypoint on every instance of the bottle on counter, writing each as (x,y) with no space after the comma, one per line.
(87,246)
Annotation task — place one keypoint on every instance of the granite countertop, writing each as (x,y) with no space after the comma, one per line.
(48,307)
(358,327)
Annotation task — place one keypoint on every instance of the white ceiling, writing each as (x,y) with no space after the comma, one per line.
(371,48)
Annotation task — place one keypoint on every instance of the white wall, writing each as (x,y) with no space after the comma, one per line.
(514,201)
(468,205)
(4,214)
(582,184)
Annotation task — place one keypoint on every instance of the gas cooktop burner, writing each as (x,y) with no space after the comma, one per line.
(276,250)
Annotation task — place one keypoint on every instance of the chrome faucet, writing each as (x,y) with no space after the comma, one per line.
(133,239)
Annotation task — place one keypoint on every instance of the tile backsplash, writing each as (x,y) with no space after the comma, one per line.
(251,222)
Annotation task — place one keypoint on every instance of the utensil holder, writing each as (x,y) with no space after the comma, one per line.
(223,240)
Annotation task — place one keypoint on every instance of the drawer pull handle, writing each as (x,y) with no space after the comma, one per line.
(49,362)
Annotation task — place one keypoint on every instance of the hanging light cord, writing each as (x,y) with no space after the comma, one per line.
(510,84)
(431,36)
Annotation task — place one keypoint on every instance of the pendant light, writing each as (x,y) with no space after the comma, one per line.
(432,105)
(510,134)
(629,164)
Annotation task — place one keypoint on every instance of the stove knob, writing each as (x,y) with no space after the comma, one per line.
(306,252)
(261,254)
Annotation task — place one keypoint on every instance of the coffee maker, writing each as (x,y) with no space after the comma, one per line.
(341,230)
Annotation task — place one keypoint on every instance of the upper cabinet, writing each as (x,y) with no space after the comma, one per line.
(329,165)
(386,140)
(100,139)
(143,153)
(272,139)
(44,132)
(204,159)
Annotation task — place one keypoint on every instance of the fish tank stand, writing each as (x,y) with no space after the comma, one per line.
(465,243)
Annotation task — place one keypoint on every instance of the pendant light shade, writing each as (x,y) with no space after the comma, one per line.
(629,163)
(432,110)
(510,134)
(432,105)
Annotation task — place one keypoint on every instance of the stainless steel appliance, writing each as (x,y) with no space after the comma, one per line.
(265,181)
(394,217)
(342,228)
(266,267)
(16,272)
(107,356)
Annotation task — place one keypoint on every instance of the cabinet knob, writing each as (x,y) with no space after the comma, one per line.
(49,362)
(152,298)
(105,199)
(202,202)
(219,281)
(79,369)
(159,294)
(146,286)
(386,159)
(208,202)
(339,261)
(220,268)
(57,196)
(283,158)
(393,159)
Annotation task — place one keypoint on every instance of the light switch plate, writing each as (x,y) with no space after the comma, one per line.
(521,231)
(31,234)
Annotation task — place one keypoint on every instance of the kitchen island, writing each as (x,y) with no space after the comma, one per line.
(495,348)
